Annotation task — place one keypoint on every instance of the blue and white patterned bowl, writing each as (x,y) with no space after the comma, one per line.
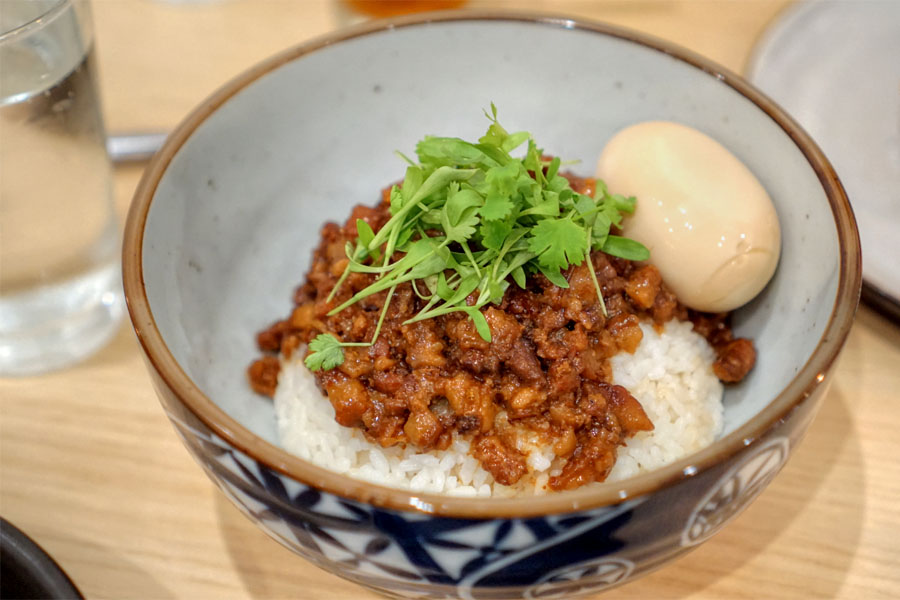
(224,221)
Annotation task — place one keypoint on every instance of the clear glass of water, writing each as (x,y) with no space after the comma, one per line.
(60,281)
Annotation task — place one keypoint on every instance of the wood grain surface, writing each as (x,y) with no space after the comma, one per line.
(91,469)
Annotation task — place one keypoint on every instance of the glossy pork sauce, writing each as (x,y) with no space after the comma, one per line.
(544,379)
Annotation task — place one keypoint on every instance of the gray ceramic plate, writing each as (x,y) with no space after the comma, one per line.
(835,66)
(27,571)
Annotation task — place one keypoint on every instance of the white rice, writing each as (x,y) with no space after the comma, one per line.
(670,374)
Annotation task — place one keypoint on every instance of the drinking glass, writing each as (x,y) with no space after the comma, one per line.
(60,281)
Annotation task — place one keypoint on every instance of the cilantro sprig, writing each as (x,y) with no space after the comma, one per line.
(497,218)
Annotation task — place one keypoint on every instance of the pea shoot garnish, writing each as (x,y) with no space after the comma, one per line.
(489,217)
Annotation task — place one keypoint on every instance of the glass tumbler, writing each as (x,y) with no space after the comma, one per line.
(60,281)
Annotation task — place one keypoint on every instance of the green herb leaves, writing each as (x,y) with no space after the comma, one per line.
(325,353)
(470,216)
(557,243)
(625,248)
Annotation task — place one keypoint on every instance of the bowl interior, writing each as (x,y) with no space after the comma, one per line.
(236,214)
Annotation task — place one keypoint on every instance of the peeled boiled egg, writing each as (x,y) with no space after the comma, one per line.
(709,224)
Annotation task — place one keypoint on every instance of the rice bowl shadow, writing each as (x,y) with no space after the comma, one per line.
(269,570)
(780,515)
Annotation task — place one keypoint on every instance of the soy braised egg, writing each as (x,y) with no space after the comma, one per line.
(709,224)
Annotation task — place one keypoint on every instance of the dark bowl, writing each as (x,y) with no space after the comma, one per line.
(27,571)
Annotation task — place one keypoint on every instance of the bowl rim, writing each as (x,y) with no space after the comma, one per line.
(802,386)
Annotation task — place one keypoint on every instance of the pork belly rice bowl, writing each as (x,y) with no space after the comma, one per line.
(227,218)
(473,331)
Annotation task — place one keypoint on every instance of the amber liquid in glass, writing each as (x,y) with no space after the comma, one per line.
(392,8)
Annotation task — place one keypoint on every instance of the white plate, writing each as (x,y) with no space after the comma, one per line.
(835,66)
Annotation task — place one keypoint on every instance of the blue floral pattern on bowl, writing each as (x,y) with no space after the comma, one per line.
(418,555)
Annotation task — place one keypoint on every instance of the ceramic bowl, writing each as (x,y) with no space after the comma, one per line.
(222,227)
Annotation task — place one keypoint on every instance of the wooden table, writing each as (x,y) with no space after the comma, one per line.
(92,470)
